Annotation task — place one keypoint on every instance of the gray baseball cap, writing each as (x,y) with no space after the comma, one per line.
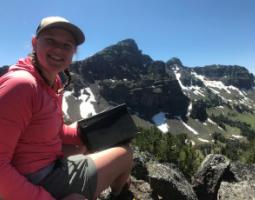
(60,22)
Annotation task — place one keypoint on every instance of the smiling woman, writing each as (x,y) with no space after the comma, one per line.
(32,133)
(54,50)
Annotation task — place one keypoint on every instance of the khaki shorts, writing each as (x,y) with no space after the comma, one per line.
(72,176)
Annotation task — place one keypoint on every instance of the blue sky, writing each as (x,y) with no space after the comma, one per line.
(199,32)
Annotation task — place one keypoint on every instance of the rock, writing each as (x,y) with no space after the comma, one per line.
(235,75)
(139,190)
(124,74)
(239,182)
(206,181)
(152,180)
(174,61)
(244,190)
(168,182)
(199,110)
(139,164)
(242,172)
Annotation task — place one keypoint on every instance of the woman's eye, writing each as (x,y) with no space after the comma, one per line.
(68,46)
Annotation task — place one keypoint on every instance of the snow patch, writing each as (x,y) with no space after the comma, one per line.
(237,136)
(189,142)
(211,121)
(188,127)
(203,140)
(197,92)
(217,86)
(220,128)
(178,77)
(86,107)
(65,104)
(189,109)
(160,121)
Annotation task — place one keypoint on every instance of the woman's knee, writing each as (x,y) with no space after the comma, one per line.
(126,155)
(120,155)
(112,164)
(128,151)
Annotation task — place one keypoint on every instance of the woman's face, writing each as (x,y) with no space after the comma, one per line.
(54,49)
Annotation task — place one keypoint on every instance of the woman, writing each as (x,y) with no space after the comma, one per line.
(32,132)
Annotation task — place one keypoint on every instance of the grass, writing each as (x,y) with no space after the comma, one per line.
(248,118)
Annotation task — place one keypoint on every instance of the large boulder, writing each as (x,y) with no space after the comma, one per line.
(243,190)
(239,183)
(206,181)
(152,180)
(166,181)
(242,172)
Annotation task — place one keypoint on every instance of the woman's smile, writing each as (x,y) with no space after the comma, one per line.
(54,49)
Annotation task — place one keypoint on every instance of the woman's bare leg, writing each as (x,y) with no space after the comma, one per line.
(113,168)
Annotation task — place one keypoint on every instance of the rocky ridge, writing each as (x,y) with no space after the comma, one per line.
(216,179)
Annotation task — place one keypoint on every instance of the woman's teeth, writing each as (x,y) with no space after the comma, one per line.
(57,58)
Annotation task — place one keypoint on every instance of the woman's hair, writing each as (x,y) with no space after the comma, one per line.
(37,65)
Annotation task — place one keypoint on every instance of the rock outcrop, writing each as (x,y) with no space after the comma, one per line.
(229,74)
(206,181)
(153,180)
(239,183)
(124,74)
(217,179)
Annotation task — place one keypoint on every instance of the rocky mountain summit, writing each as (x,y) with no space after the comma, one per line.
(187,99)
(124,74)
(213,105)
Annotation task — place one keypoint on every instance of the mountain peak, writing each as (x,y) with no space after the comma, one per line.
(174,60)
(128,42)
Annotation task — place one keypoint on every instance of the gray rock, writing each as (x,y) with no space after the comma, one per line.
(152,180)
(168,182)
(244,190)
(242,172)
(206,181)
(139,190)
(239,182)
(139,164)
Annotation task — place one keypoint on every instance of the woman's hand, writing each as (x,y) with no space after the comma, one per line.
(74,196)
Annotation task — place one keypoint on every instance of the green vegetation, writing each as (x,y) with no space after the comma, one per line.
(246,129)
(248,118)
(170,148)
(178,149)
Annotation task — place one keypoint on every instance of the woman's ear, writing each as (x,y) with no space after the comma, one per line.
(34,42)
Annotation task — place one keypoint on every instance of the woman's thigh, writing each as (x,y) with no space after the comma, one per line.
(111,164)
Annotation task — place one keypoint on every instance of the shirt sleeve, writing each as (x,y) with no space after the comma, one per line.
(70,134)
(16,101)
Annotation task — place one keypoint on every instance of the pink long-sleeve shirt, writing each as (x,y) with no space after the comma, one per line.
(31,130)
